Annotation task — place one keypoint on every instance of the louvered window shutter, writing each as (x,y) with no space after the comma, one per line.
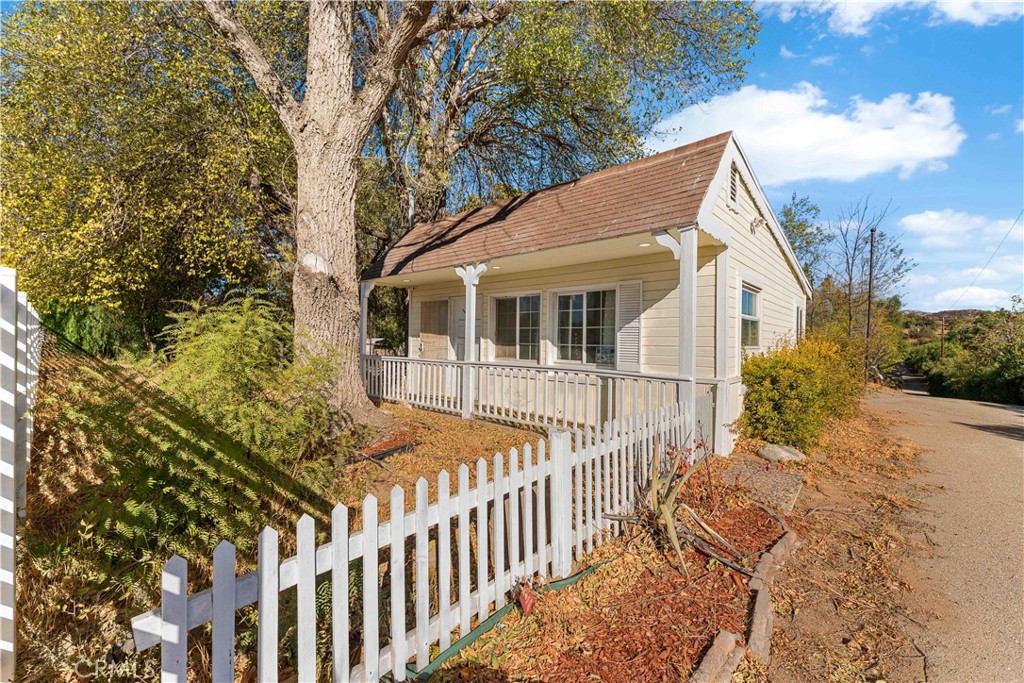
(631,304)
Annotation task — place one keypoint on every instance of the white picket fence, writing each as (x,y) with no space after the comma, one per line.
(20,349)
(463,553)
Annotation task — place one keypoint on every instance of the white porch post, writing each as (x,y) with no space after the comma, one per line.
(470,275)
(364,295)
(685,251)
(688,320)
(723,440)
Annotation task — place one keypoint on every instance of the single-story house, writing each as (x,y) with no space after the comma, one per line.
(625,289)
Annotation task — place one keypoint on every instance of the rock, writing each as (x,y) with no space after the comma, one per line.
(760,641)
(714,665)
(775,453)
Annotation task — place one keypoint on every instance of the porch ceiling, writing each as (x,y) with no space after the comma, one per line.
(587,252)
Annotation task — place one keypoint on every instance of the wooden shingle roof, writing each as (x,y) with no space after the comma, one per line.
(658,192)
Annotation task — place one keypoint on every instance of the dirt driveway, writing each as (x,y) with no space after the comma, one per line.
(973,579)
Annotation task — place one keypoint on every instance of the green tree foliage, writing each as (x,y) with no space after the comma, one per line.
(557,90)
(800,222)
(983,358)
(135,160)
(793,390)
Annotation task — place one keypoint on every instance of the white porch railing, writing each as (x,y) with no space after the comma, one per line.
(422,578)
(537,396)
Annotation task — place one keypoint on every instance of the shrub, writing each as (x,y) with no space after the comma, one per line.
(990,367)
(96,329)
(232,364)
(792,390)
(920,359)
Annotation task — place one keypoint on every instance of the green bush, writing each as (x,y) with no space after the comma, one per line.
(791,391)
(990,366)
(232,364)
(920,359)
(96,329)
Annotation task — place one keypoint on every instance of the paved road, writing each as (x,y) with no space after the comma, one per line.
(975,578)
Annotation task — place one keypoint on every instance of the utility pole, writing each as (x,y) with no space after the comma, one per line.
(871,291)
(942,337)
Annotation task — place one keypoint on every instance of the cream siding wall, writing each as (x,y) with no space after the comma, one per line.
(760,257)
(659,323)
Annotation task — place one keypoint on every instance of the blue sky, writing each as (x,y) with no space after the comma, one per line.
(919,103)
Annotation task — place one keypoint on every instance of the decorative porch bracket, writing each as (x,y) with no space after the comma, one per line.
(364,296)
(685,251)
(470,275)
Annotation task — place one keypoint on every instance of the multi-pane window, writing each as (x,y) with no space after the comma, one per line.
(517,328)
(750,320)
(586,327)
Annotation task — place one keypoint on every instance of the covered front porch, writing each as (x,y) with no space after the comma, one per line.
(540,371)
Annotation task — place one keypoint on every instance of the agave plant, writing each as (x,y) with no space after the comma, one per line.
(662,507)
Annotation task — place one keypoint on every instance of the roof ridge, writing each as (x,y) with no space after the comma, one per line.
(611,171)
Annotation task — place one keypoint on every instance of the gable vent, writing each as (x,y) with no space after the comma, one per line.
(734,176)
(630,305)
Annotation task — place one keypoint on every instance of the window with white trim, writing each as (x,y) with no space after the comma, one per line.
(517,328)
(799,323)
(750,317)
(585,327)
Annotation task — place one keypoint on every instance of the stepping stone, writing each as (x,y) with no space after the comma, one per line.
(775,488)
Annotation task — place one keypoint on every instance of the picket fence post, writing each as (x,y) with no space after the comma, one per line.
(8,468)
(174,612)
(561,503)
(223,655)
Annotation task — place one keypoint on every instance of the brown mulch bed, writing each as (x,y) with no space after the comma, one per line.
(440,442)
(636,618)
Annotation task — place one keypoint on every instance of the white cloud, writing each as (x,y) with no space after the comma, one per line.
(949,229)
(977,13)
(998,110)
(786,53)
(968,297)
(1002,269)
(826,60)
(796,134)
(993,137)
(858,18)
(1020,125)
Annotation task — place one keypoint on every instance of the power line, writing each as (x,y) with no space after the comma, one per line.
(1008,296)
(965,290)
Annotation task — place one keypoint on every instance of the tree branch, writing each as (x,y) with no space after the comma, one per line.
(451,18)
(382,73)
(222,18)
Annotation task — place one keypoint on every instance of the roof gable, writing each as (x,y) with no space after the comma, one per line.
(733,154)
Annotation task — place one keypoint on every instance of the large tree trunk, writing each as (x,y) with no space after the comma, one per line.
(325,290)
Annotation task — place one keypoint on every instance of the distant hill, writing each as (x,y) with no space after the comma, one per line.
(957,314)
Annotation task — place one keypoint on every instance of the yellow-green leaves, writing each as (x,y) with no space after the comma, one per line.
(132,157)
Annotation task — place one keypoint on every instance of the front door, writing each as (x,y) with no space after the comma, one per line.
(434,340)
